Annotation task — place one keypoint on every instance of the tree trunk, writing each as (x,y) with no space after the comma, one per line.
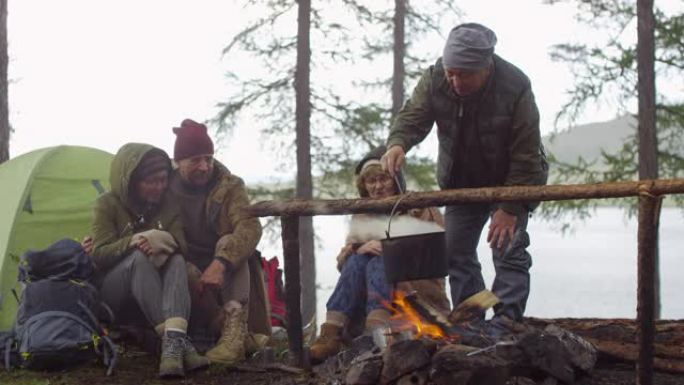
(399,72)
(648,281)
(648,139)
(304,187)
(4,108)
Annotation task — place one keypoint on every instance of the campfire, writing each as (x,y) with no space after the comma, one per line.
(406,319)
(421,345)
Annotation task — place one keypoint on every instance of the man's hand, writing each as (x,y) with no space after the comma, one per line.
(212,277)
(393,159)
(373,247)
(501,227)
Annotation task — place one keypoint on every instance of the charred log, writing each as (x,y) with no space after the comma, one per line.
(454,365)
(420,377)
(616,339)
(365,370)
(402,358)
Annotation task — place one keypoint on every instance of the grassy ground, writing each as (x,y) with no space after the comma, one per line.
(141,370)
(138,368)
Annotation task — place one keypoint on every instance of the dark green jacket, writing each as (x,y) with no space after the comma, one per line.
(488,139)
(116,219)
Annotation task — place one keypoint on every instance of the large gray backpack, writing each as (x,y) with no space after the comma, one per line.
(56,326)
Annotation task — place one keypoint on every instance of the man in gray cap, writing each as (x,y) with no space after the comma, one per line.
(488,131)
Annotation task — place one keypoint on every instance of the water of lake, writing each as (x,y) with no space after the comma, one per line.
(591,272)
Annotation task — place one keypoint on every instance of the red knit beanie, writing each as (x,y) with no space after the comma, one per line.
(191,140)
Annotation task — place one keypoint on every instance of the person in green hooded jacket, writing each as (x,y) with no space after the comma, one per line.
(137,249)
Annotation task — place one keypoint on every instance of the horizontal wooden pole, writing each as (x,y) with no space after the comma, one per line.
(297,207)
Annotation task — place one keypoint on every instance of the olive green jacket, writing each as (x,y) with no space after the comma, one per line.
(239,235)
(501,123)
(238,238)
(116,219)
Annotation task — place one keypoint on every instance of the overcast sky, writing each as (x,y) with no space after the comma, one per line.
(103,73)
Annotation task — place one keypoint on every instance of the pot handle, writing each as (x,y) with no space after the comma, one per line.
(394,208)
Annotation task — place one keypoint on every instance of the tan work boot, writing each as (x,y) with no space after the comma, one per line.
(327,344)
(230,348)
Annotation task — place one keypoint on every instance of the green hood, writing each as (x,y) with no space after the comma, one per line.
(124,163)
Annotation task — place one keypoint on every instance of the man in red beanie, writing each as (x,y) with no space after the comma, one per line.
(225,277)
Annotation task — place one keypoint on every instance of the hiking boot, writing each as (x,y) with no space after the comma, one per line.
(500,328)
(472,333)
(191,359)
(230,348)
(327,344)
(171,362)
(255,342)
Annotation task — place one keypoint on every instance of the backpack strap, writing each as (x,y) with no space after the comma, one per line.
(109,356)
(7,349)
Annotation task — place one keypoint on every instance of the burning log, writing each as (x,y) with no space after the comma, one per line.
(430,313)
(454,326)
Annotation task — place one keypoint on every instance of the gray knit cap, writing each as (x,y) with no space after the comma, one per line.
(469,46)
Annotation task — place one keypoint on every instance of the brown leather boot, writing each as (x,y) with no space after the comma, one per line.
(328,343)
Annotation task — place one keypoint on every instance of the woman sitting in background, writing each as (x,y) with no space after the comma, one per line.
(362,287)
(137,247)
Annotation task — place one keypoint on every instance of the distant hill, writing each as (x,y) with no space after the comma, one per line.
(588,140)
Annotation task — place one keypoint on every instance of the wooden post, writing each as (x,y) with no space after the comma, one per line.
(648,296)
(304,185)
(293,289)
(648,138)
(4,103)
(649,212)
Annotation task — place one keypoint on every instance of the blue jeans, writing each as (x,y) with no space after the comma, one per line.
(362,284)
(464,224)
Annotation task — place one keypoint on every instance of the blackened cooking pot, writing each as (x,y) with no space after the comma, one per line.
(412,257)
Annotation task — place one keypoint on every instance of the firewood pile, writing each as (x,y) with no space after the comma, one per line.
(550,356)
(460,354)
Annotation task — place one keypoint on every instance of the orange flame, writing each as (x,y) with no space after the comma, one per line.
(404,313)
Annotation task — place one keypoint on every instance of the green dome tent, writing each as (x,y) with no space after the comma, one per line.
(46,195)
